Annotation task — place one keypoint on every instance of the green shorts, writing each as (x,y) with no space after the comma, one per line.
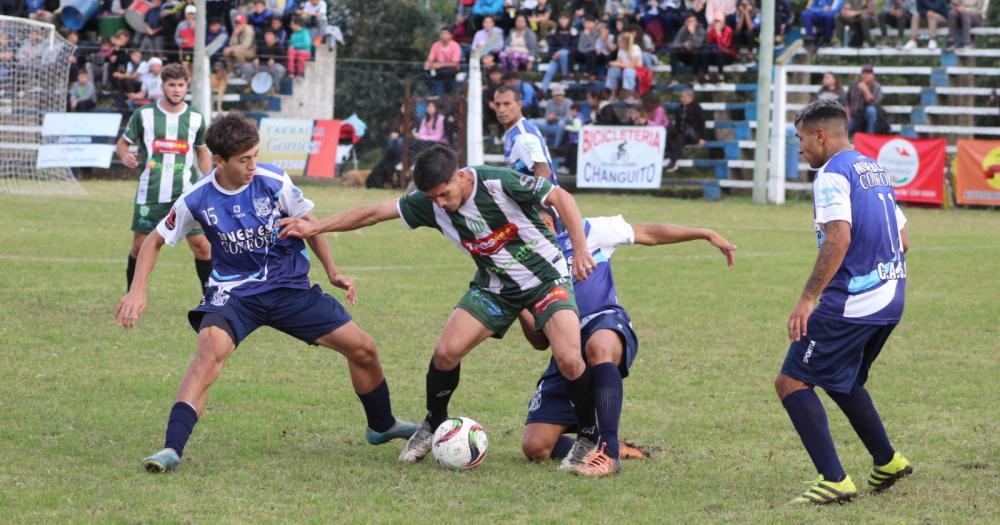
(145,217)
(497,312)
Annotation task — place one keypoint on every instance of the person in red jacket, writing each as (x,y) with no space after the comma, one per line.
(721,51)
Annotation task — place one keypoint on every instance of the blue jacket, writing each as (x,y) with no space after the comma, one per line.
(487,7)
(938,6)
(834,5)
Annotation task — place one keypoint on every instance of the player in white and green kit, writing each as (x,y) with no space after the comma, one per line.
(491,214)
(171,137)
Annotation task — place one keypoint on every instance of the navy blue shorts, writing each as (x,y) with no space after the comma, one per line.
(550,404)
(836,355)
(305,314)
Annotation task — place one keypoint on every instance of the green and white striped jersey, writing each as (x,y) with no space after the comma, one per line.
(499,227)
(166,151)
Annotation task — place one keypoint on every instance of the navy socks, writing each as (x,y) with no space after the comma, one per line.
(809,418)
(562,447)
(378,409)
(858,407)
(179,426)
(608,395)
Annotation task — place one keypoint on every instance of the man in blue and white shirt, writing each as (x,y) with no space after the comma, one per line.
(524,148)
(257,279)
(860,280)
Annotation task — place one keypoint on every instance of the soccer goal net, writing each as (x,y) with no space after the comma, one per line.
(34,73)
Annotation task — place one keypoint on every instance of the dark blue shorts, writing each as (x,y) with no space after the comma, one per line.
(836,355)
(305,314)
(550,404)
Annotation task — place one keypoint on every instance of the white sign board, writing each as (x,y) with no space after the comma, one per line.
(620,157)
(78,140)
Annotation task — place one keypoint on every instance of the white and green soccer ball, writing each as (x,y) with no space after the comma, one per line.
(459,444)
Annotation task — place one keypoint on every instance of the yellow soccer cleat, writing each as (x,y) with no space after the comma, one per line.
(821,492)
(885,476)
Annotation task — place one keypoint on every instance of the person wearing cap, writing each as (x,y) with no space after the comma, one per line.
(151,85)
(242,46)
(314,13)
(864,100)
(442,62)
(184,34)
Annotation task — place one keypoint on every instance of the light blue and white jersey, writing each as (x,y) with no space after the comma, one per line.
(604,235)
(247,256)
(870,285)
(524,146)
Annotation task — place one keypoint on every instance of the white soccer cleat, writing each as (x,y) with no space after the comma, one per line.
(419,444)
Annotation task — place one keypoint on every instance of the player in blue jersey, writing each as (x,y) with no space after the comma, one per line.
(256,280)
(859,278)
(608,343)
(524,148)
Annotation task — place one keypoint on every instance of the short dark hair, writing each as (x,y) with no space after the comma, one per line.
(504,88)
(819,111)
(231,134)
(174,72)
(434,167)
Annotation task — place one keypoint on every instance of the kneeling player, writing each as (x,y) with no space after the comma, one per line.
(257,279)
(609,345)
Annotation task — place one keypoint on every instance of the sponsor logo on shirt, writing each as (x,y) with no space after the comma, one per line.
(493,242)
(171,219)
(553,296)
(177,147)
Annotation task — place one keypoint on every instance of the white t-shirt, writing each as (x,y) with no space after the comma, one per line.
(633,54)
(318,9)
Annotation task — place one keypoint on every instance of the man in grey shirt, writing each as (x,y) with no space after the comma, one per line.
(556,116)
(864,98)
(900,14)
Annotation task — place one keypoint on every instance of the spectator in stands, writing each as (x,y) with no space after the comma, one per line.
(152,40)
(460,32)
(216,31)
(660,18)
(606,49)
(585,53)
(832,90)
(562,49)
(82,95)
(818,21)
(726,7)
(859,15)
(687,48)
(935,12)
(260,18)
(865,99)
(280,33)
(583,9)
(970,14)
(184,34)
(783,17)
(151,87)
(483,9)
(126,78)
(242,46)
(653,111)
(556,116)
(442,62)
(430,132)
(568,150)
(521,47)
(299,49)
(41,10)
(494,79)
(270,53)
(314,14)
(720,51)
(900,13)
(489,39)
(540,19)
(529,97)
(101,62)
(621,71)
(697,8)
(688,127)
(78,59)
(745,31)
(648,46)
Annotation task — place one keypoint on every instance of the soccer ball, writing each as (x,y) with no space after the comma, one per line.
(459,444)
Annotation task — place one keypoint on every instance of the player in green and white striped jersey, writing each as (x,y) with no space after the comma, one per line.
(170,136)
(491,214)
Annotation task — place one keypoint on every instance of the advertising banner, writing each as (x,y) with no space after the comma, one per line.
(977,179)
(620,157)
(300,146)
(916,166)
(78,140)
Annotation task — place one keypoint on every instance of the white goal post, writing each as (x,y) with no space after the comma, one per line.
(34,81)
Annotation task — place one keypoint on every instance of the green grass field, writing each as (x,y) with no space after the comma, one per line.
(82,401)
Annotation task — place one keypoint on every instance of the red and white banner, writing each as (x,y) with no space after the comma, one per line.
(916,166)
(977,179)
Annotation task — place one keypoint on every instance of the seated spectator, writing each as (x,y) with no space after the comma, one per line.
(494,79)
(521,47)
(606,49)
(314,14)
(126,79)
(260,18)
(859,15)
(82,95)
(934,12)
(483,9)
(151,87)
(653,111)
(78,60)
(556,114)
(687,48)
(270,54)
(697,8)
(660,19)
(99,64)
(529,96)
(688,127)
(900,14)
(720,51)
(152,40)
(568,150)
(726,7)
(970,14)
(583,9)
(489,39)
(242,45)
(508,16)
(540,19)
(865,100)
(280,33)
(621,72)
(442,63)
(184,34)
(460,32)
(299,49)
(645,42)
(430,133)
(465,9)
(562,48)
(585,53)
(818,21)
(832,90)
(747,27)
(41,10)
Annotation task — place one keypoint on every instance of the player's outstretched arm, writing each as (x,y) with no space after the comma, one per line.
(536,338)
(837,239)
(134,303)
(352,219)
(657,234)
(565,204)
(128,159)
(321,248)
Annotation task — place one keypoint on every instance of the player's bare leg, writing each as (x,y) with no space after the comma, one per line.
(604,352)
(461,334)
(541,440)
(563,332)
(369,382)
